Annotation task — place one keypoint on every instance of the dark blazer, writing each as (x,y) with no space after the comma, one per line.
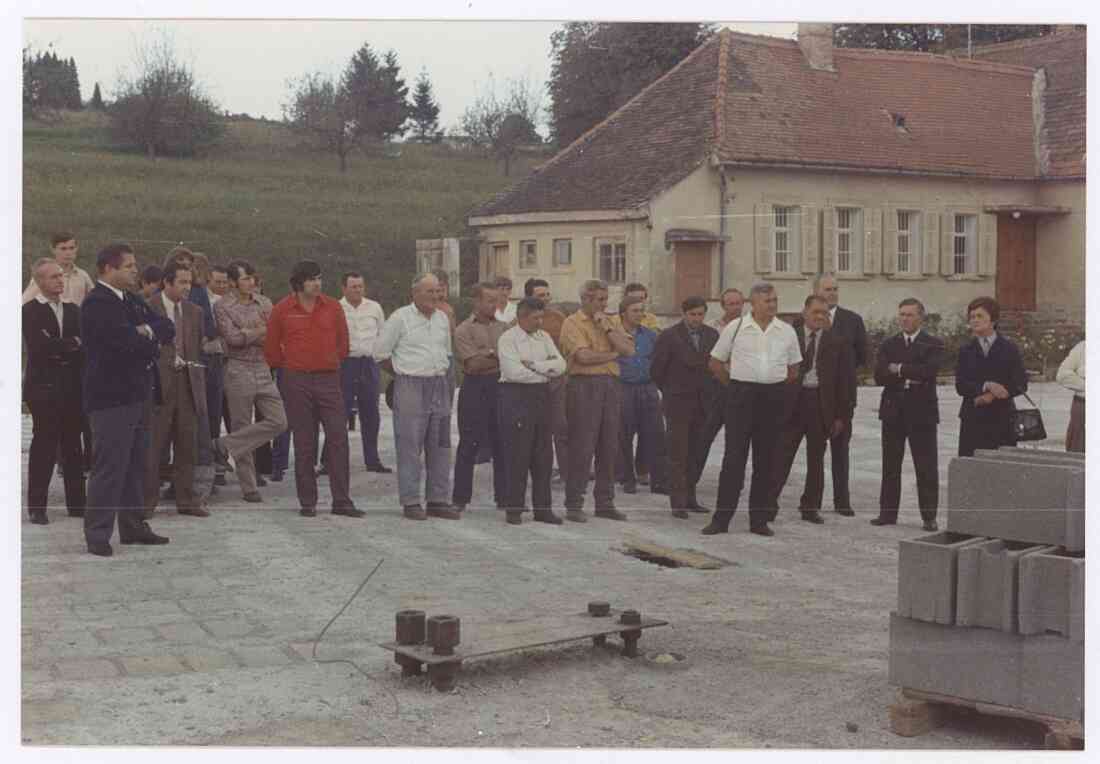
(120,361)
(55,357)
(835,374)
(1003,365)
(678,368)
(192,349)
(849,325)
(920,364)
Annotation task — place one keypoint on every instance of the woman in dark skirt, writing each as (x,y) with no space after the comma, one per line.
(990,373)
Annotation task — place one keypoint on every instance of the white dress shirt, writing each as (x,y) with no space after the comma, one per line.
(117,292)
(758,355)
(507,314)
(170,309)
(365,323)
(1071,373)
(418,346)
(58,310)
(537,348)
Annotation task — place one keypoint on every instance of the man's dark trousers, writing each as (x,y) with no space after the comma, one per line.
(923,446)
(752,411)
(55,431)
(477,425)
(804,422)
(309,396)
(215,390)
(642,417)
(703,437)
(686,416)
(838,451)
(526,430)
(359,379)
(120,443)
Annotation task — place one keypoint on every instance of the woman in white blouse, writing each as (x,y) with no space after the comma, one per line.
(1071,374)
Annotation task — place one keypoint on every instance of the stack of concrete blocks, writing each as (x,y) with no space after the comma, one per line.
(992,610)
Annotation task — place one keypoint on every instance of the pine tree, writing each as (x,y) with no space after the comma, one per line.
(425,111)
(375,95)
(97,99)
(72,90)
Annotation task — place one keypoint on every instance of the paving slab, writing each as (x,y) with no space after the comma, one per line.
(153,664)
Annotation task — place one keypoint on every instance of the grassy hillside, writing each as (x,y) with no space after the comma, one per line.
(263,195)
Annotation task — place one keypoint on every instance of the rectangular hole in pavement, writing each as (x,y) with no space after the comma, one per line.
(667,557)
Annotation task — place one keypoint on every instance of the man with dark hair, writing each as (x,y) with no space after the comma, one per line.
(640,291)
(219,282)
(51,390)
(552,321)
(122,338)
(641,405)
(151,278)
(688,392)
(359,374)
(818,407)
(475,344)
(528,360)
(183,394)
(308,338)
(906,367)
(506,309)
(242,316)
(63,249)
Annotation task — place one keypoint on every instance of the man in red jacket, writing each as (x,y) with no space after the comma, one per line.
(307,336)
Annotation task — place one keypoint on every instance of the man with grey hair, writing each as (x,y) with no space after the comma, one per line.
(848,325)
(415,346)
(756,356)
(592,345)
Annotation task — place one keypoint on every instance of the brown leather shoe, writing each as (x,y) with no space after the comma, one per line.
(576,515)
(610,514)
(680,514)
(195,512)
(414,512)
(444,513)
(253,497)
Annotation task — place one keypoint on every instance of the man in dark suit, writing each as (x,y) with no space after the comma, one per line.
(688,390)
(906,368)
(122,339)
(183,393)
(51,390)
(849,325)
(819,405)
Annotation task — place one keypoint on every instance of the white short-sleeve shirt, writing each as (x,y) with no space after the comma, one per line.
(758,355)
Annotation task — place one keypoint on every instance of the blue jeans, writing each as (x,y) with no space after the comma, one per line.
(360,380)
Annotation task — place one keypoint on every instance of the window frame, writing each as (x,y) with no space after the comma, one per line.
(969,237)
(793,231)
(522,265)
(914,237)
(615,243)
(554,254)
(855,233)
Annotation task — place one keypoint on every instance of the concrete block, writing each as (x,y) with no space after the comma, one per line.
(1052,593)
(1016,500)
(988,583)
(1043,674)
(927,575)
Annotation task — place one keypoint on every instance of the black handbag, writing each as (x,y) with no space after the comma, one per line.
(1027,424)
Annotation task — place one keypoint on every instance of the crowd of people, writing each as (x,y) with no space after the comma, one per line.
(129,378)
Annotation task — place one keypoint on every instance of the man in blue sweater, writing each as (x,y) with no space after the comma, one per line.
(122,339)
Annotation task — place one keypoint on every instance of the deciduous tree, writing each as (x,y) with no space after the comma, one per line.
(501,124)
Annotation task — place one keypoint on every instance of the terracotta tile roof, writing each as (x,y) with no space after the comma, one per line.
(754,99)
(1063,56)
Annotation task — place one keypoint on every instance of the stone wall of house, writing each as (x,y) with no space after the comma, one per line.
(1060,244)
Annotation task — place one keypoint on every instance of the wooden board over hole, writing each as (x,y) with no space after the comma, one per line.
(481,640)
(669,557)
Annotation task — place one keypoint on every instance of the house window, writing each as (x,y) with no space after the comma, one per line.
(908,241)
(499,265)
(612,261)
(528,255)
(965,244)
(849,240)
(785,239)
(563,253)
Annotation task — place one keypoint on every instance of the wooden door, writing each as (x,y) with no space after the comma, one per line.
(1016,262)
(693,260)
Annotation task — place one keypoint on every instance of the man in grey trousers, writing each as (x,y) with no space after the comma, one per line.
(415,347)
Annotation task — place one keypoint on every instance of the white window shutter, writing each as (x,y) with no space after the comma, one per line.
(930,225)
(947,245)
(987,245)
(764,217)
(872,240)
(811,252)
(889,240)
(828,239)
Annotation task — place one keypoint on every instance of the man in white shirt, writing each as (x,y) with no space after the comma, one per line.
(359,374)
(415,347)
(529,359)
(506,309)
(755,356)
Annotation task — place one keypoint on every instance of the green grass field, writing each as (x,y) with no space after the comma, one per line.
(263,195)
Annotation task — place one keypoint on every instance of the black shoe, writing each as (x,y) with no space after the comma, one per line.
(845,511)
(680,514)
(76,513)
(38,517)
(169,493)
(547,516)
(146,536)
(762,530)
(348,512)
(414,512)
(443,511)
(514,517)
(696,507)
(576,515)
(307,512)
(610,513)
(379,468)
(658,489)
(813,517)
(219,479)
(260,482)
(930,526)
(101,550)
(714,528)
(276,476)
(883,521)
(253,498)
(630,488)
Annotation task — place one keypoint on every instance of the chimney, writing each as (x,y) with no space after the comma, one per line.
(816,42)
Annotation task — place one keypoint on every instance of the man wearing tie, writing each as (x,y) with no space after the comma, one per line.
(906,369)
(51,390)
(183,392)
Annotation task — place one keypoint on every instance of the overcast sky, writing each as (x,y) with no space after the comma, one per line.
(245,64)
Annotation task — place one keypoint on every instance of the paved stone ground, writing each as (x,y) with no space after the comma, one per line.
(208,640)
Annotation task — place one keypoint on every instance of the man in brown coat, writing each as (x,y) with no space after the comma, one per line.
(819,406)
(183,393)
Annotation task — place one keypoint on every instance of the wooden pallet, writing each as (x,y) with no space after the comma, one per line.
(918,712)
(487,639)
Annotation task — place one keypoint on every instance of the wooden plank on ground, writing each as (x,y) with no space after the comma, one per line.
(685,558)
